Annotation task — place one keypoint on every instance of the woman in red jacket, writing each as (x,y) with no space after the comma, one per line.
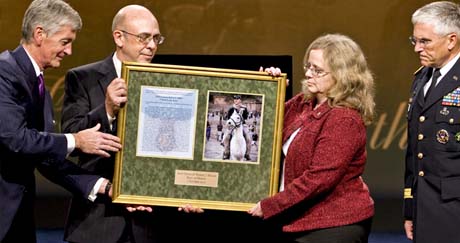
(322,195)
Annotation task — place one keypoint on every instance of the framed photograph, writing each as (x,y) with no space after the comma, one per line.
(209,137)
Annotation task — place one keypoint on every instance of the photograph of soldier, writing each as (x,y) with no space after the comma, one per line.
(228,115)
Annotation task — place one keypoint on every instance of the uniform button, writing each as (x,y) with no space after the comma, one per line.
(420,136)
(410,100)
(421,118)
(451,120)
(420,155)
(421,173)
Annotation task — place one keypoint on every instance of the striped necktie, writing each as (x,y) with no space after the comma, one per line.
(41,86)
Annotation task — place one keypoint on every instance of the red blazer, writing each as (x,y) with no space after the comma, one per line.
(323,167)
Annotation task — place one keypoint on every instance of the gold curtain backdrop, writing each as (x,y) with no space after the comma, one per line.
(264,27)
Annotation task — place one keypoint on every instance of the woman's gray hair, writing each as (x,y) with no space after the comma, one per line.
(444,16)
(51,15)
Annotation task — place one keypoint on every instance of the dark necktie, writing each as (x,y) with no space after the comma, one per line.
(436,75)
(41,86)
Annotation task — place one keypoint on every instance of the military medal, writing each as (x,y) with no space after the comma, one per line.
(443,136)
(452,99)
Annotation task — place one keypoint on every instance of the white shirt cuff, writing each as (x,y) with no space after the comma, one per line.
(93,194)
(70,143)
(111,120)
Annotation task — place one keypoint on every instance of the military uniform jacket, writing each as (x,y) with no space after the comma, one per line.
(432,176)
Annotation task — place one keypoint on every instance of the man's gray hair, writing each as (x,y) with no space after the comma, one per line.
(51,15)
(444,16)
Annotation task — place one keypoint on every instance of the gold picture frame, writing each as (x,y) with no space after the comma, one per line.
(171,145)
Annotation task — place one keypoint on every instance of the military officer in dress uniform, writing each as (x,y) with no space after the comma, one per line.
(432,176)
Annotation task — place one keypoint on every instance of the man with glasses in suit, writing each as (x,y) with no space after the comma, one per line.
(94,93)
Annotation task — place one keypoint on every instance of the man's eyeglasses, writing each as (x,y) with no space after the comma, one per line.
(315,71)
(146,38)
(422,41)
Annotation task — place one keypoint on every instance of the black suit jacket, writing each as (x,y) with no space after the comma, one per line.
(432,176)
(84,107)
(26,143)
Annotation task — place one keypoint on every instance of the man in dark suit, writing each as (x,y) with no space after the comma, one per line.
(432,177)
(94,93)
(26,124)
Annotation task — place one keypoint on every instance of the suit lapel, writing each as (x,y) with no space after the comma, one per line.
(107,72)
(418,92)
(42,113)
(48,113)
(28,77)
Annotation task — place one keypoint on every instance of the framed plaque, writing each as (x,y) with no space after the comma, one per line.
(175,129)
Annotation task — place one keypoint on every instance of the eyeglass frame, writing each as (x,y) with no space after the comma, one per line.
(423,42)
(315,71)
(145,40)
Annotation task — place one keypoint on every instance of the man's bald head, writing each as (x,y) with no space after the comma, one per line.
(130,13)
